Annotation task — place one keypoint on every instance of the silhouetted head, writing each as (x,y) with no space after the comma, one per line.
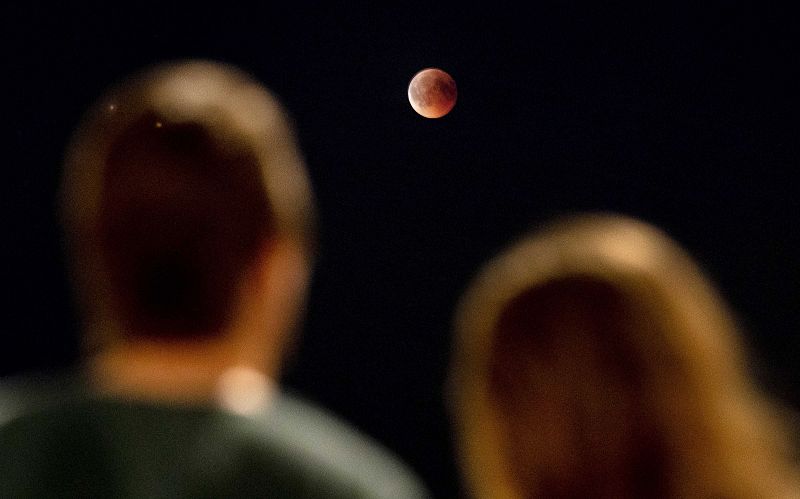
(594,359)
(179,182)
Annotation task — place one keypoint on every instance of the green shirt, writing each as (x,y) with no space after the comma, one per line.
(84,446)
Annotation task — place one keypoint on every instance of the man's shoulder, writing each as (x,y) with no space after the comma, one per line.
(30,392)
(316,439)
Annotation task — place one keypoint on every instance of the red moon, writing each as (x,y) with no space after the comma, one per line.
(432,93)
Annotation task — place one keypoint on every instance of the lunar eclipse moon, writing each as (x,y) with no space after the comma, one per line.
(432,93)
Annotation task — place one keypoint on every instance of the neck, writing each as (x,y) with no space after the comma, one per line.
(177,372)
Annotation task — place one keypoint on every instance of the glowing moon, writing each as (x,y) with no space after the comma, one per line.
(432,93)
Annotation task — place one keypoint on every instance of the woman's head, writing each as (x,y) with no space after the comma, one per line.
(594,359)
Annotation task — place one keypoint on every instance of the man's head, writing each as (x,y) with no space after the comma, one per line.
(181,189)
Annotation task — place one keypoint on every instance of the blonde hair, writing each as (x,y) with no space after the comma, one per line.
(721,436)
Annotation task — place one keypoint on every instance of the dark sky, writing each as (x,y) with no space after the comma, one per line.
(686,118)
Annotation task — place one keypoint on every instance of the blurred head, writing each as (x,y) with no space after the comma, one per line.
(182,187)
(594,359)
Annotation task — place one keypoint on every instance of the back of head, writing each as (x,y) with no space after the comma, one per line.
(174,182)
(594,359)
(189,220)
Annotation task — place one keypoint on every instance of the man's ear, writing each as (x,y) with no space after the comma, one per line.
(284,265)
(280,282)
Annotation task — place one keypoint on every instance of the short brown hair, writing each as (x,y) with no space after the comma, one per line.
(172,184)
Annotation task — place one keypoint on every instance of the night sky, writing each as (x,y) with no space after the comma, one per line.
(685,118)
